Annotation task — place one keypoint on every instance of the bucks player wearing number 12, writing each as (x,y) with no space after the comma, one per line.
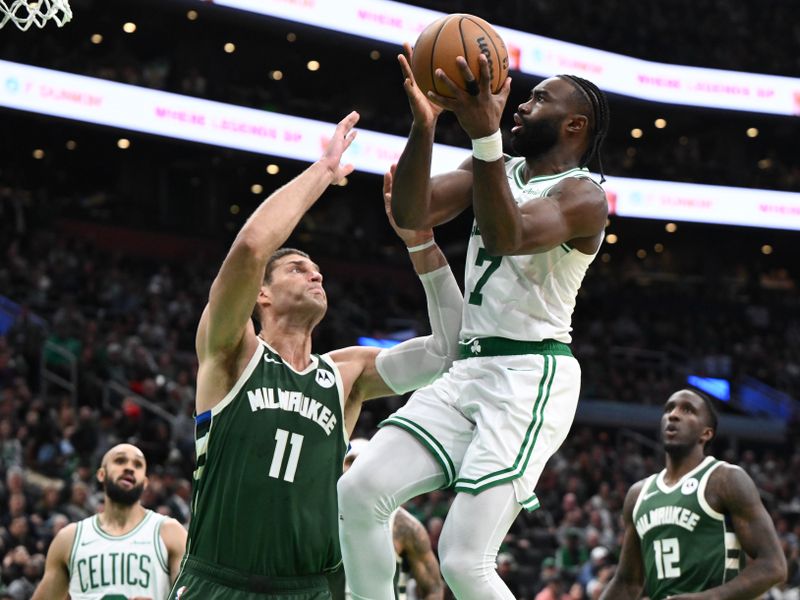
(273,419)
(491,423)
(689,527)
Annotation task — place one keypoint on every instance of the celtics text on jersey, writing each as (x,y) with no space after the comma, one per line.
(108,567)
(686,545)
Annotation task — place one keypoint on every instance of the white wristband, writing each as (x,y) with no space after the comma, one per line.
(489,148)
(428,244)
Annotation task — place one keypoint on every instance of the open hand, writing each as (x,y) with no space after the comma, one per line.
(343,136)
(425,112)
(479,114)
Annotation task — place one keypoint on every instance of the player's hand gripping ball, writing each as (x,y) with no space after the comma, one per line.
(458,35)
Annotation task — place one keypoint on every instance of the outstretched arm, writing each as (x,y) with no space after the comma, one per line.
(415,546)
(55,582)
(411,364)
(574,209)
(628,580)
(234,291)
(418,201)
(733,492)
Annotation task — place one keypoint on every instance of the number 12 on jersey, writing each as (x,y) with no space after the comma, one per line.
(668,558)
(296,442)
(475,296)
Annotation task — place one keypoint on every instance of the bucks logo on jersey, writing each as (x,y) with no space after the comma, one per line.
(686,545)
(268,458)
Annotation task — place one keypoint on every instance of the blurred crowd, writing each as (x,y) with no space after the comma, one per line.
(132,321)
(120,328)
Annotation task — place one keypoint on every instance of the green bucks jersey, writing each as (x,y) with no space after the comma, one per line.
(268,458)
(686,545)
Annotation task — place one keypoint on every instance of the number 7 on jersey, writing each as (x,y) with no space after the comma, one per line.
(475,296)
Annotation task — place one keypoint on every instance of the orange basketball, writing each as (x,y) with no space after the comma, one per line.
(457,35)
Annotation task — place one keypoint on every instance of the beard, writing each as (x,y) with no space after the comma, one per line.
(536,138)
(122,496)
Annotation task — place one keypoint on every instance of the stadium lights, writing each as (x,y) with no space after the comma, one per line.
(229,47)
(291,37)
(256,188)
(273,169)
(374,55)
(71,144)
(641,253)
(96,38)
(612,238)
(129,27)
(38,154)
(766,249)
(192,15)
(123,143)
(660,123)
(312,65)
(659,248)
(671,227)
(276,75)
(234,209)
(752,132)
(636,133)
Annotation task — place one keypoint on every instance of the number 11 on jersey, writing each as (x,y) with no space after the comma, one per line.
(281,437)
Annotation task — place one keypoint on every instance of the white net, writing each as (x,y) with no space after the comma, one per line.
(24,13)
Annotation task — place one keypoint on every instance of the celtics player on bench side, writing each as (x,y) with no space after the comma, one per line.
(689,527)
(124,553)
(488,426)
(273,419)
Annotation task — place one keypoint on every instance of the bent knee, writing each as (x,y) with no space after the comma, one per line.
(361,495)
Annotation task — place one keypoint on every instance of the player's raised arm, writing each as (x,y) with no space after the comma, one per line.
(234,291)
(628,580)
(419,202)
(55,582)
(418,361)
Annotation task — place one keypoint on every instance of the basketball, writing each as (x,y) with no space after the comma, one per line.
(457,35)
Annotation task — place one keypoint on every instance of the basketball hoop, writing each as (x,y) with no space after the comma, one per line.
(25,13)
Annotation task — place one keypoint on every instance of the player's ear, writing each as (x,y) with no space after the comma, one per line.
(577,123)
(264,295)
(707,435)
(101,474)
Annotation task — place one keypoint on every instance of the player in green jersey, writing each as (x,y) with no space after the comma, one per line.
(689,527)
(273,419)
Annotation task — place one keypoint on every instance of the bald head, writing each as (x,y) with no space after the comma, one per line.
(128,450)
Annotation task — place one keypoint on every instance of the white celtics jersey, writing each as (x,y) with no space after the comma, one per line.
(529,297)
(107,567)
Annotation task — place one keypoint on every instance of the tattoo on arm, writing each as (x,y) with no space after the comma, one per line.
(415,545)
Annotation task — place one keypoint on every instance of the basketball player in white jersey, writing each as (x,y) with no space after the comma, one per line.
(487,427)
(127,552)
(412,547)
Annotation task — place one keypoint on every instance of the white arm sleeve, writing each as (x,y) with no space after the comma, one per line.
(417,362)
